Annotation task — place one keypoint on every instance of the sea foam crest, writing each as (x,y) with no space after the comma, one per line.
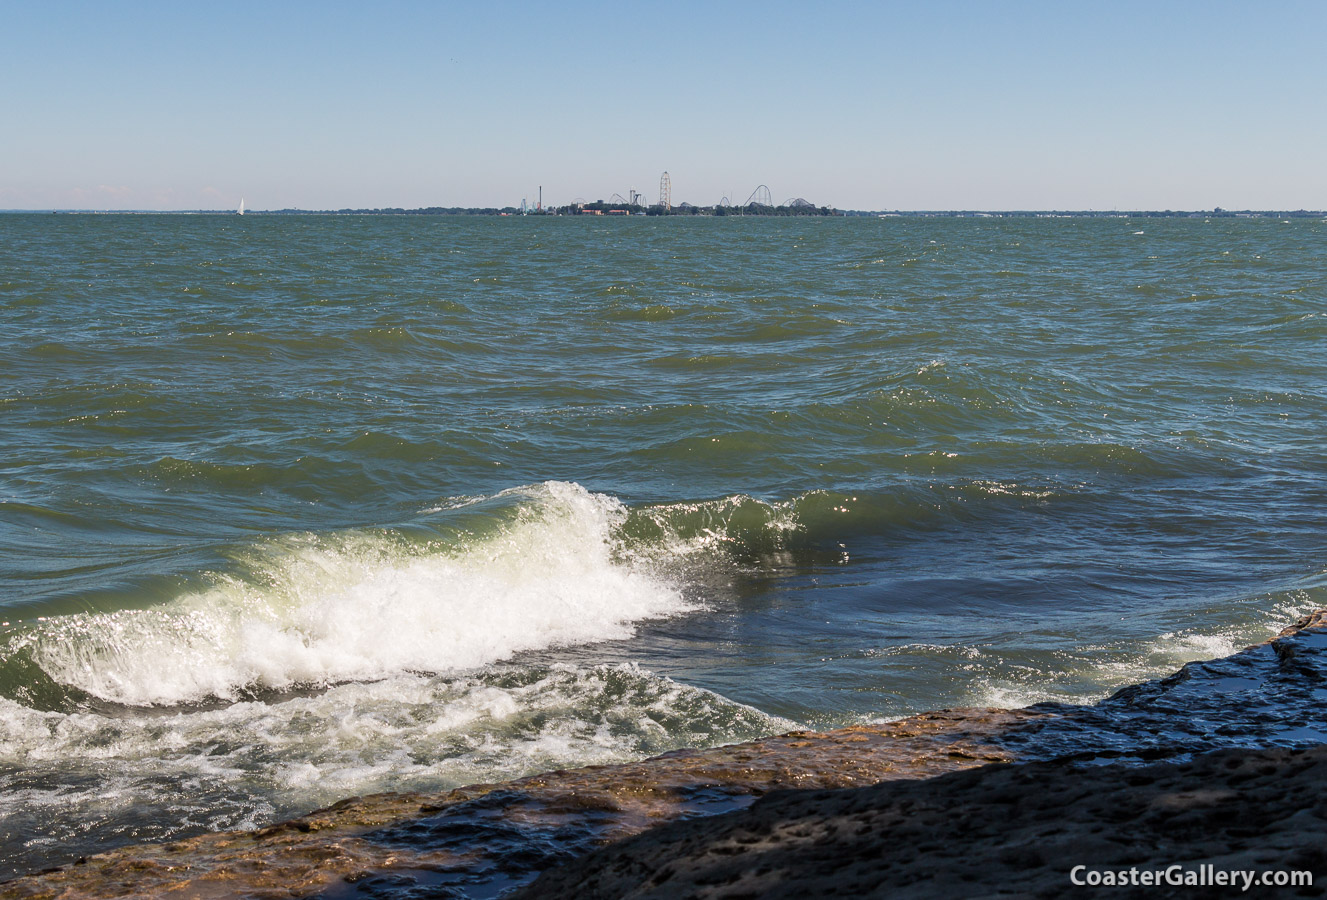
(320,610)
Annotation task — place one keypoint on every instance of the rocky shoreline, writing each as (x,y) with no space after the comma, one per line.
(1089,783)
(1034,829)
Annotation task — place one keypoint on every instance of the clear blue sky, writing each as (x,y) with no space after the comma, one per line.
(986,105)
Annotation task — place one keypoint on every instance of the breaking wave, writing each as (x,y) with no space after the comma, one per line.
(543,572)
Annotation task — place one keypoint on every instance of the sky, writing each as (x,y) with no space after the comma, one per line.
(884,105)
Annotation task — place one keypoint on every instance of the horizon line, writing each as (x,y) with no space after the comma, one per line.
(398,210)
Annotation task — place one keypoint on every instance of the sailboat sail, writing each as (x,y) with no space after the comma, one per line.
(241,209)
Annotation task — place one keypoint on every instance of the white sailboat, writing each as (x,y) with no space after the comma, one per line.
(240,211)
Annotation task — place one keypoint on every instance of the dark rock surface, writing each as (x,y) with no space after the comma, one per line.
(992,831)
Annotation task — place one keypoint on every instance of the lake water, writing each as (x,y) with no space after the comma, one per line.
(296,508)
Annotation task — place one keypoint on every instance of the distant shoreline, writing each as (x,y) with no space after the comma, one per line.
(731,212)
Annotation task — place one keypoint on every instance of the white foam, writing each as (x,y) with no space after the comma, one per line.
(251,761)
(320,610)
(1087,672)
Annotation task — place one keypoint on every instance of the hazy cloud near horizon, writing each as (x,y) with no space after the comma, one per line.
(869,106)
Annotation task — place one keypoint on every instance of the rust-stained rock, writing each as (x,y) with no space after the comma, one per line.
(1313,621)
